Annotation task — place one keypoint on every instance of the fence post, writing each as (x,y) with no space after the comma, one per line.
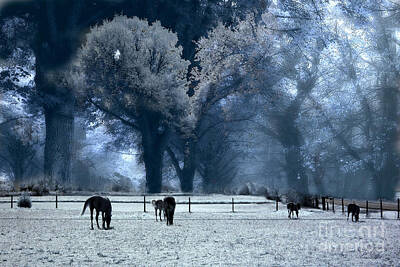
(381,208)
(276,204)
(398,208)
(12,201)
(233,205)
(56,201)
(333,204)
(366,208)
(144,203)
(342,206)
(189,205)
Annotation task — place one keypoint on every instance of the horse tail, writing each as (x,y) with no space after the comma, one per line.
(85,206)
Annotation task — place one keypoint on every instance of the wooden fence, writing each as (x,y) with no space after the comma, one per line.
(329,203)
(326,203)
(58,199)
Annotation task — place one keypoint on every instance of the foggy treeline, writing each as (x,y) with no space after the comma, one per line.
(203,96)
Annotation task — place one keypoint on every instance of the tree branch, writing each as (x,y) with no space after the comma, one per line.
(124,121)
(175,161)
(201,134)
(19,118)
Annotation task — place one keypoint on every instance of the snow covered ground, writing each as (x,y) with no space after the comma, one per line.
(255,235)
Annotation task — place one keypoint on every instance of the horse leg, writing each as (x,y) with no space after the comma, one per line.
(97,219)
(155,210)
(103,219)
(160,215)
(91,217)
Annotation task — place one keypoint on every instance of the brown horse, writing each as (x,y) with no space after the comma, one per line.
(158,205)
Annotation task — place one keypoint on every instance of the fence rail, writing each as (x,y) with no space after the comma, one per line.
(149,202)
(145,202)
(328,203)
(367,205)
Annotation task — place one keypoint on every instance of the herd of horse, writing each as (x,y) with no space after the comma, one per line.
(103,205)
(167,206)
(351,208)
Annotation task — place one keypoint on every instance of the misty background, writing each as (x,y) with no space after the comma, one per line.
(219,96)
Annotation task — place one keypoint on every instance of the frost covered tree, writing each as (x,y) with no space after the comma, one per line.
(134,74)
(228,65)
(58,27)
(285,73)
(19,146)
(53,30)
(362,111)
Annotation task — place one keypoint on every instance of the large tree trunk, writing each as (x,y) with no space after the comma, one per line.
(56,41)
(58,145)
(387,178)
(18,174)
(153,158)
(187,172)
(296,175)
(154,144)
(189,166)
(291,139)
(58,103)
(318,174)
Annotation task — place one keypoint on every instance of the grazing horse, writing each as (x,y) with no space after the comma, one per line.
(100,204)
(169,209)
(354,210)
(293,208)
(158,205)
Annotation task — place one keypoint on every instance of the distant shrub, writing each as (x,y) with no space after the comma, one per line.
(293,196)
(169,188)
(6,186)
(40,189)
(37,190)
(296,197)
(121,183)
(308,201)
(257,189)
(60,188)
(121,187)
(116,187)
(23,187)
(244,190)
(272,194)
(24,201)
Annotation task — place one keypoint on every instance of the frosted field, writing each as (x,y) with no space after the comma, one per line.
(255,235)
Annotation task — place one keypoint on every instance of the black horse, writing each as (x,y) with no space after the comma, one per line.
(354,210)
(293,208)
(169,209)
(100,204)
